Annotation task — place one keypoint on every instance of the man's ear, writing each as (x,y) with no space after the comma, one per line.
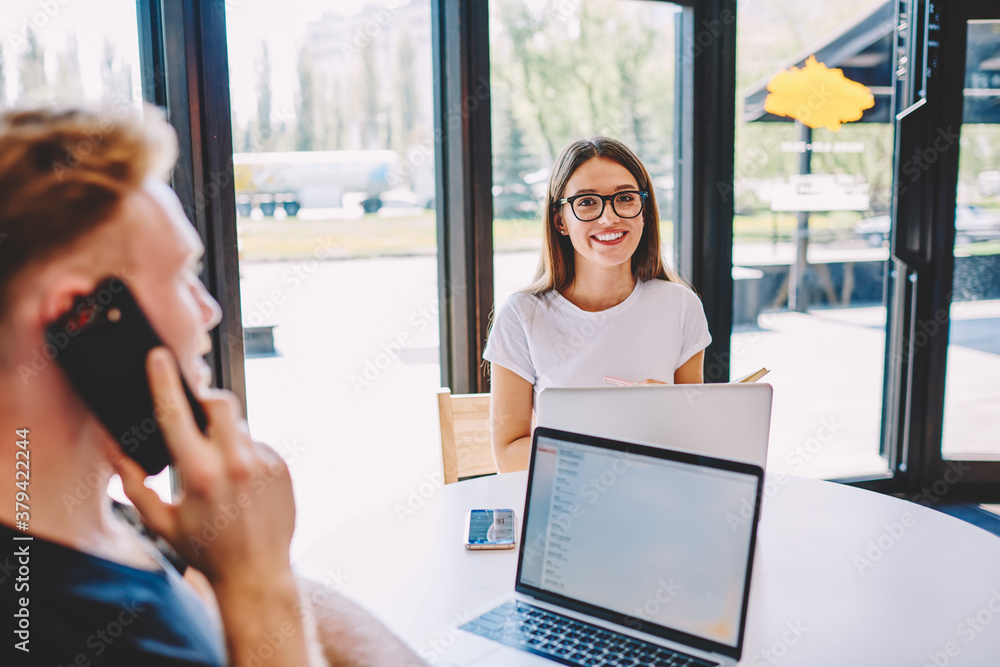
(58,294)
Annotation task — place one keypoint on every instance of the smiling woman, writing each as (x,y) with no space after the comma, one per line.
(602,303)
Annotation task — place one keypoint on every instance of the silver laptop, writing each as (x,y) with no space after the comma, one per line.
(730,421)
(629,555)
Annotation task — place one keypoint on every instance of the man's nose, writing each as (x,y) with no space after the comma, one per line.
(211,312)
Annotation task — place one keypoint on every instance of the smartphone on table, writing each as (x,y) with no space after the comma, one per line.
(489,529)
(102,343)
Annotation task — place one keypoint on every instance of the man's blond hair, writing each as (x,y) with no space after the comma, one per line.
(65,171)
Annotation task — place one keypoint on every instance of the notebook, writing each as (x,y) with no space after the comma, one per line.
(629,555)
(731,421)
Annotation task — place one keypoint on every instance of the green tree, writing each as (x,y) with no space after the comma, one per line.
(769,39)
(980,151)
(367,86)
(593,81)
(333,115)
(525,67)
(248,137)
(572,70)
(305,112)
(68,79)
(264,135)
(646,82)
(3,79)
(511,161)
(116,75)
(873,164)
(34,83)
(511,158)
(405,97)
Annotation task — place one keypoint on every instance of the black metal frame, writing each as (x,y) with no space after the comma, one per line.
(975,479)
(900,279)
(705,126)
(185,68)
(464,170)
(929,96)
(604,200)
(151,53)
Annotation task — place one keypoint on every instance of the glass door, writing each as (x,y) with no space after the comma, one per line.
(972,395)
(810,242)
(969,452)
(945,248)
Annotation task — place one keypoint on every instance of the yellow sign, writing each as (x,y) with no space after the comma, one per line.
(817,96)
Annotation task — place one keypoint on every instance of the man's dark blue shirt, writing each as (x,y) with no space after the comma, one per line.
(87,611)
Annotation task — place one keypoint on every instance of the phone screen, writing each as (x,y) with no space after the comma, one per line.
(491,527)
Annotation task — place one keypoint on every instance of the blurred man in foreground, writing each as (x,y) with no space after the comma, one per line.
(82,197)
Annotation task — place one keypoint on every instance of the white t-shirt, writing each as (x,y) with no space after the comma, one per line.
(552,343)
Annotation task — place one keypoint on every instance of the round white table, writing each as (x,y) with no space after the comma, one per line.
(842,576)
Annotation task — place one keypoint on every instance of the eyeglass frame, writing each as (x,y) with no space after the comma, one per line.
(604,202)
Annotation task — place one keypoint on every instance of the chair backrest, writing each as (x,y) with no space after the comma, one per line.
(465,435)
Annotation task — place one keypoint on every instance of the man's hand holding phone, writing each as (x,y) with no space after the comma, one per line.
(235,517)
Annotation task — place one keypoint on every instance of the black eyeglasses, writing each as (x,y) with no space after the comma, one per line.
(587,207)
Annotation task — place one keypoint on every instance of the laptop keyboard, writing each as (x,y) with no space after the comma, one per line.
(572,642)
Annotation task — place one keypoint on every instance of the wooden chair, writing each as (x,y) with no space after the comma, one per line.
(465,435)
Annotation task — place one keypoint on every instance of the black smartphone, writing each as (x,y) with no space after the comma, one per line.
(102,343)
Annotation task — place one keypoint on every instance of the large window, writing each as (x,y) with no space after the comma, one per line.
(334,163)
(335,133)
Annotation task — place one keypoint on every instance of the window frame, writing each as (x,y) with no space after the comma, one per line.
(464,189)
(932,203)
(705,126)
(185,70)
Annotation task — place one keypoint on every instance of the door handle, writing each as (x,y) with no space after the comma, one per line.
(911,204)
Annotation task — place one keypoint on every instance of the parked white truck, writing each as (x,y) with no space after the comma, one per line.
(313,179)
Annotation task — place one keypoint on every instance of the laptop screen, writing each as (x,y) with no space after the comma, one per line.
(654,536)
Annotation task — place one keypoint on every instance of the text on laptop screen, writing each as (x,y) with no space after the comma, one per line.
(659,540)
